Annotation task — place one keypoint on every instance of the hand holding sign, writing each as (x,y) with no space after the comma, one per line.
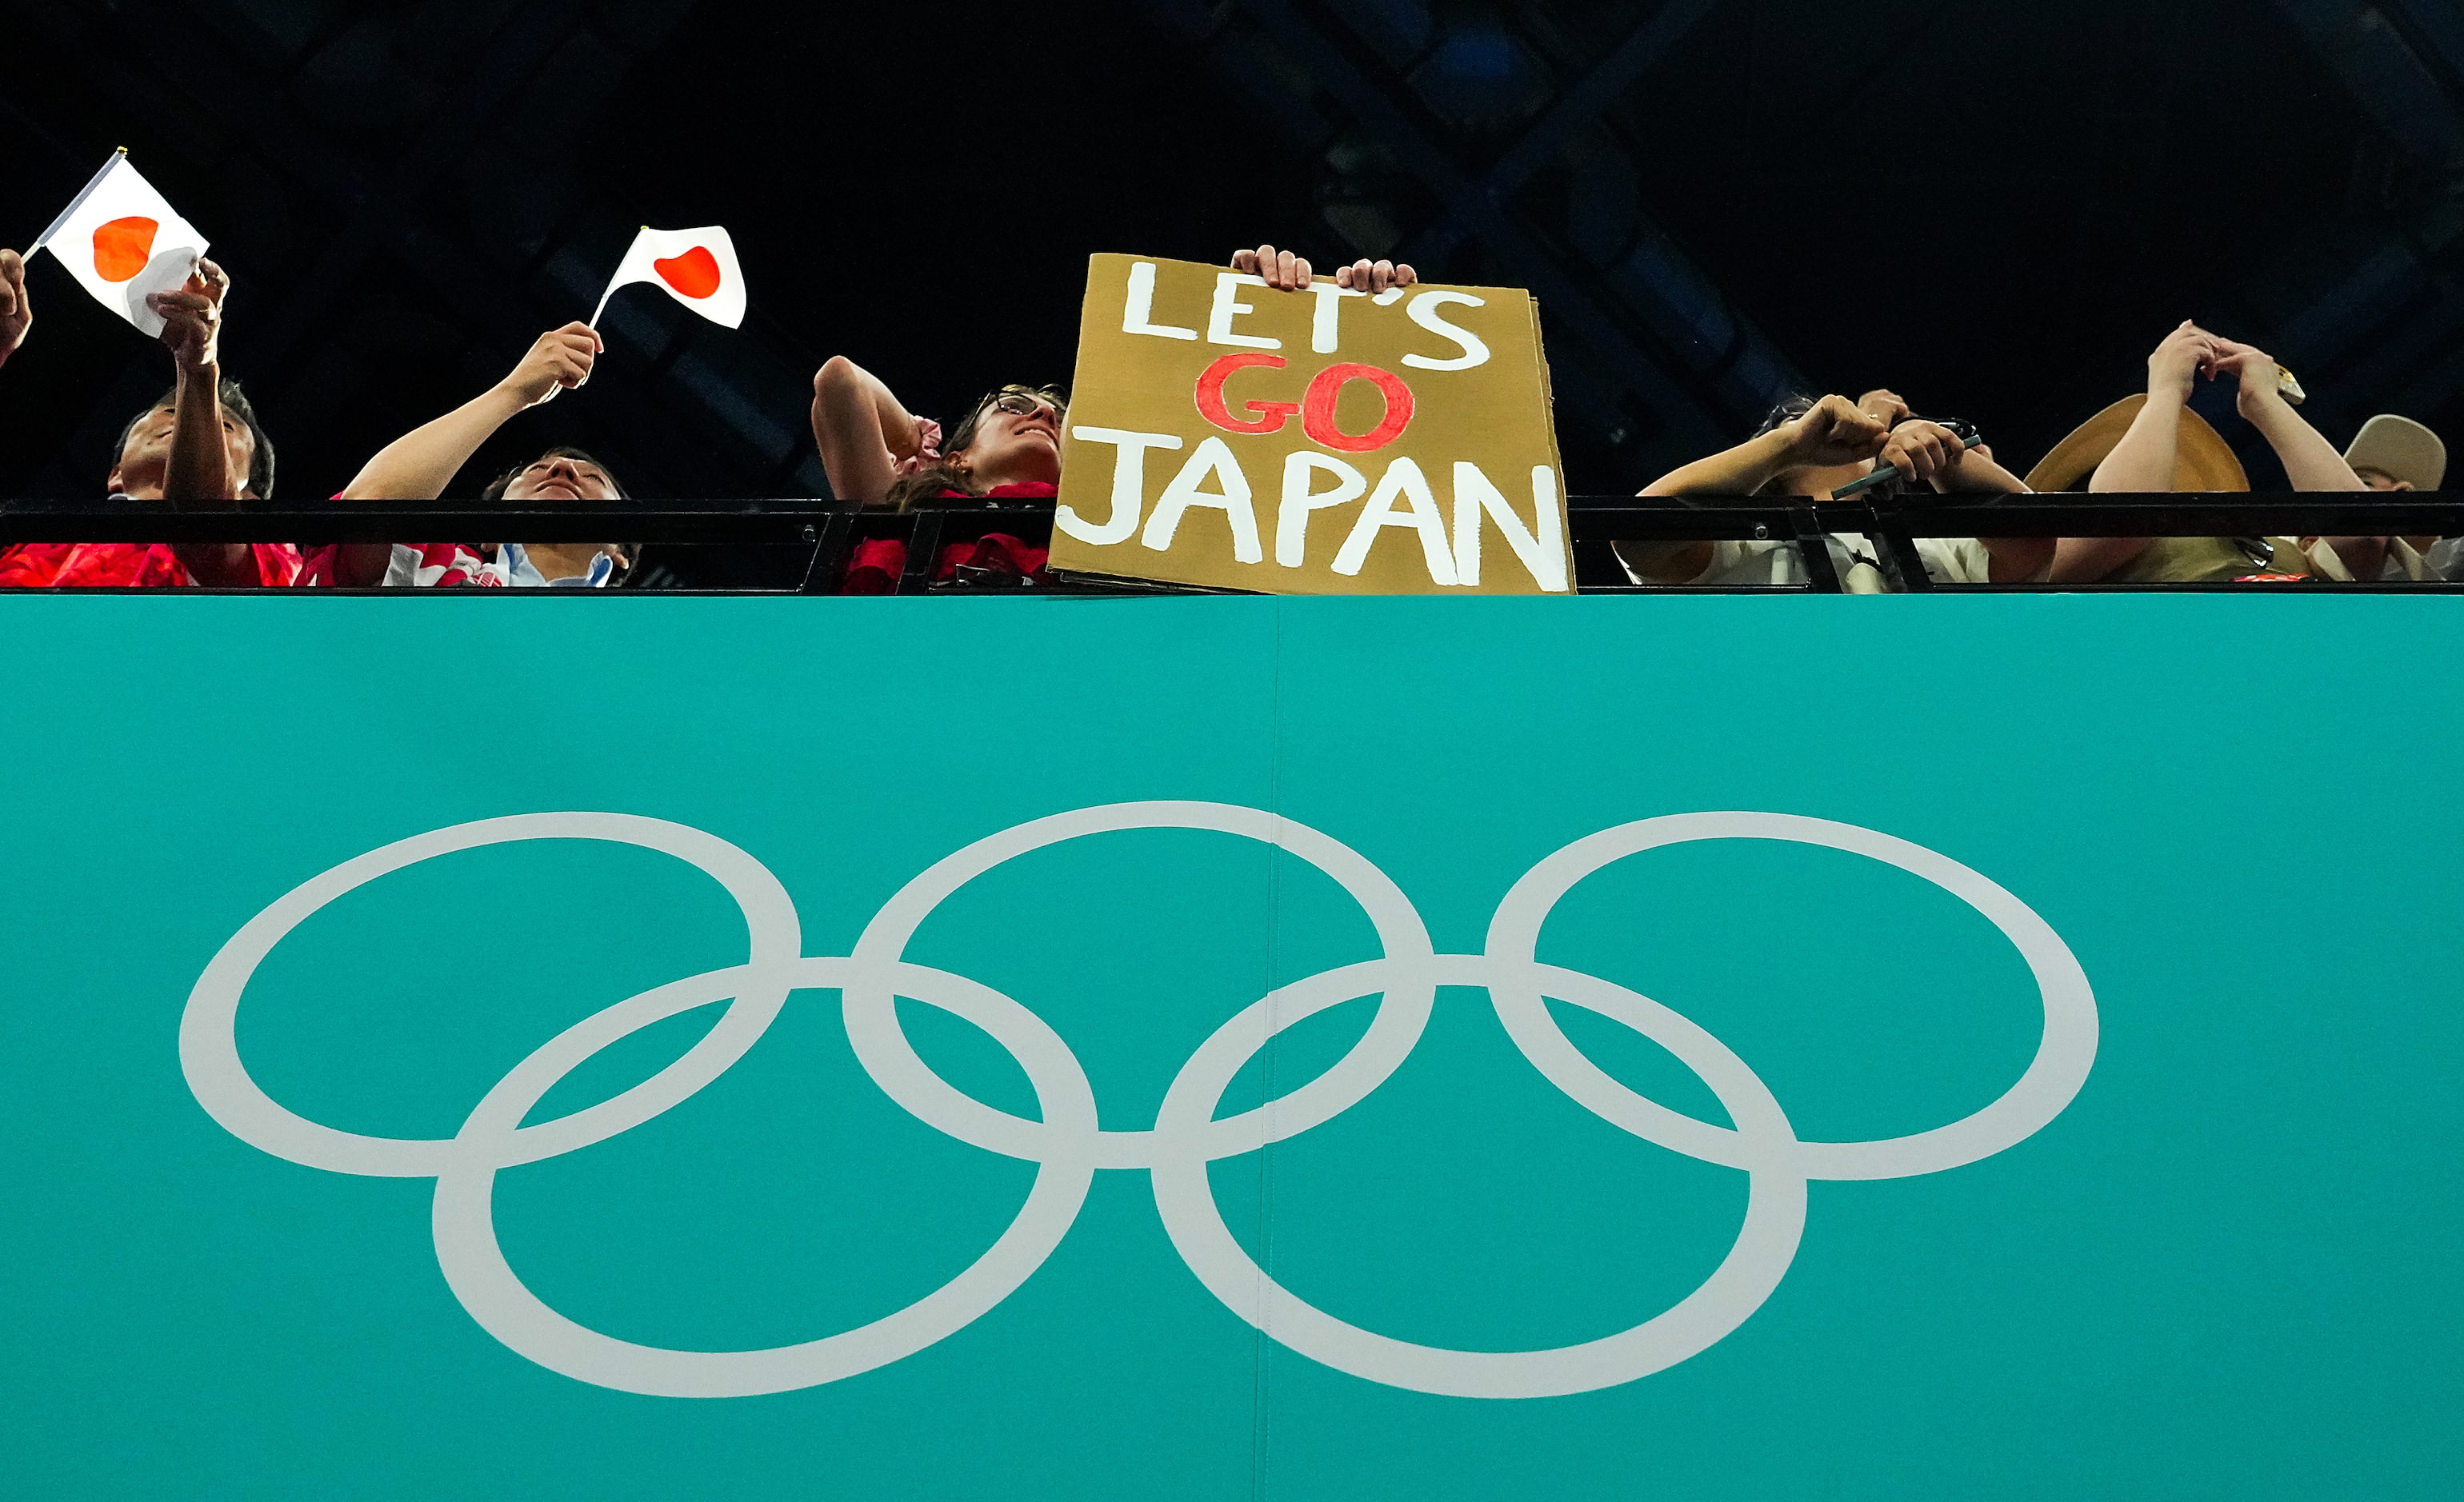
(1285,271)
(1392,439)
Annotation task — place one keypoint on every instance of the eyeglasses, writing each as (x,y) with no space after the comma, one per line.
(1019,404)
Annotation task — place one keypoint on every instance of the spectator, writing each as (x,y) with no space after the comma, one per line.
(877,452)
(2390,454)
(419,464)
(1808,447)
(1006,448)
(2148,457)
(202,442)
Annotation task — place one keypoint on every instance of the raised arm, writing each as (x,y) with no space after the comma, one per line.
(420,463)
(862,432)
(1833,431)
(2145,458)
(2310,462)
(198,467)
(16,316)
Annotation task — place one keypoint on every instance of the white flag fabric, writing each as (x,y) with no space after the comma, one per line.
(698,268)
(123,241)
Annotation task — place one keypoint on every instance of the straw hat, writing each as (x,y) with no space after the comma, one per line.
(2401,449)
(2203,462)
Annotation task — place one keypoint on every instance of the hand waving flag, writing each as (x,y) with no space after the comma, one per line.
(121,241)
(698,268)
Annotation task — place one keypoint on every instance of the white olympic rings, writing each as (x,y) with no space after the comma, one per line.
(1068,1145)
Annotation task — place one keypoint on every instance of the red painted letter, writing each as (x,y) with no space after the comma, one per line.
(1270,415)
(1317,408)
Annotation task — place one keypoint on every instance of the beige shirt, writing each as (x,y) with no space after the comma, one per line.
(1737,563)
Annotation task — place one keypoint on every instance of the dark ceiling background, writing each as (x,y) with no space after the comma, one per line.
(1994,208)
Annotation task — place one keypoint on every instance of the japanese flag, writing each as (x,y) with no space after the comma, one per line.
(123,241)
(697,266)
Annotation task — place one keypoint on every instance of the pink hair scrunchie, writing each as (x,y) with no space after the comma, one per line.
(928,449)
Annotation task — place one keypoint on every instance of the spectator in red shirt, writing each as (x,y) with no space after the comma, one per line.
(202,442)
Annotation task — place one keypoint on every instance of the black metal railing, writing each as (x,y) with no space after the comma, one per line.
(805,546)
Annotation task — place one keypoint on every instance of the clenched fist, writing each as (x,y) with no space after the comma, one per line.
(1835,431)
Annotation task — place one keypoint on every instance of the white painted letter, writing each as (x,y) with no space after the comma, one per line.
(1212,456)
(1136,315)
(1323,336)
(1542,549)
(1402,479)
(1128,485)
(1422,309)
(1218,320)
(1291,517)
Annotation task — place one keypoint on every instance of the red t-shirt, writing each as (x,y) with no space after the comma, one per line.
(125,565)
(425,565)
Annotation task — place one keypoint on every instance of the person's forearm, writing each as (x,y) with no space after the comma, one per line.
(199,469)
(2145,460)
(420,463)
(2011,560)
(2142,463)
(2083,560)
(1741,471)
(2310,462)
(2017,560)
(1975,473)
(198,466)
(860,431)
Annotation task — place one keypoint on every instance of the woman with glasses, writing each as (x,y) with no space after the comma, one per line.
(876,452)
(1008,446)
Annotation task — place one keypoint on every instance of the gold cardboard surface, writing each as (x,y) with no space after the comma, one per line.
(1225,434)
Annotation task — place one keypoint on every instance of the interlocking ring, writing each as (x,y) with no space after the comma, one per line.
(1068,1145)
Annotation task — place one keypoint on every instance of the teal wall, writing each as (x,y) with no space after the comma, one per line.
(2226,1269)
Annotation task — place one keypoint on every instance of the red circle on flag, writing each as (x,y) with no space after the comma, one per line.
(693,273)
(122,247)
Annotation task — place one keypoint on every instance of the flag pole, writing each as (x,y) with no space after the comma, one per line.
(74,204)
(616,281)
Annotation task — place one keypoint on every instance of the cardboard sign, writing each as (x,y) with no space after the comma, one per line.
(1319,441)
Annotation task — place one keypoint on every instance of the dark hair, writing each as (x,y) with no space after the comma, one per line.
(260,459)
(496,490)
(1788,411)
(926,485)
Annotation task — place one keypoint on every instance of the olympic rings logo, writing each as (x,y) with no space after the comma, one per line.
(1067,1144)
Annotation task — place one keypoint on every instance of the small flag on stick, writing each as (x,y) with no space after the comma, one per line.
(697,266)
(122,242)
